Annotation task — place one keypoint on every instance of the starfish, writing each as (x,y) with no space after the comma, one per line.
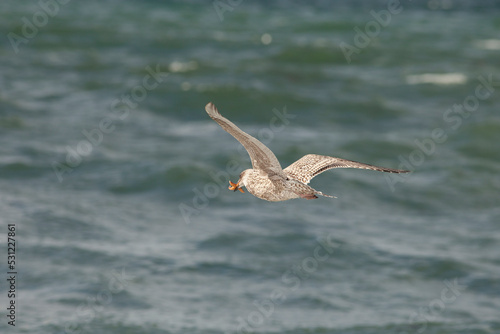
(268,181)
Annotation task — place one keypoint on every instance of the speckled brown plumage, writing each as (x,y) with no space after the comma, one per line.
(268,181)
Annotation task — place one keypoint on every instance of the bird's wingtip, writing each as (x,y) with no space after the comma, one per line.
(211,109)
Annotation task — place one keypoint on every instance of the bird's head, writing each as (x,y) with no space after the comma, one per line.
(241,182)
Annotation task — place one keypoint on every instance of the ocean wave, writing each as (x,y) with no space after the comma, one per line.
(437,79)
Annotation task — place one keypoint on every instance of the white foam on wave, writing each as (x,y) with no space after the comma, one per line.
(178,66)
(437,79)
(488,44)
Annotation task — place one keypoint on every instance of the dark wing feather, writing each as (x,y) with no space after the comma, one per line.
(311,165)
(261,156)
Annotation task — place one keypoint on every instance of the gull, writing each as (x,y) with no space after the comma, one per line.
(268,181)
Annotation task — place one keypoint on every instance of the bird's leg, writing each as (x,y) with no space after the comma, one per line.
(234,187)
(308,196)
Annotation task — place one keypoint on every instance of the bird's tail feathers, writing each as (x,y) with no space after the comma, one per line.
(324,195)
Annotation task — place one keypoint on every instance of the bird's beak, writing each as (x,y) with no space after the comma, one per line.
(234,187)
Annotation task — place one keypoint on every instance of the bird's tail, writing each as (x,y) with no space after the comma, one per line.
(324,195)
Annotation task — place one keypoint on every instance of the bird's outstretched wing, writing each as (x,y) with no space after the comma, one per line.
(261,156)
(311,165)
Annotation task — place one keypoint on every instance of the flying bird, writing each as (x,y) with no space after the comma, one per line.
(268,181)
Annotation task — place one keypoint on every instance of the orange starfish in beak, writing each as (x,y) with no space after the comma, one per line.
(234,187)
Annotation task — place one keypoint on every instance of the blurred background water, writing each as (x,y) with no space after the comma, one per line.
(116,178)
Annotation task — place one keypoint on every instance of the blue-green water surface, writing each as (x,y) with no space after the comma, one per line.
(116,178)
